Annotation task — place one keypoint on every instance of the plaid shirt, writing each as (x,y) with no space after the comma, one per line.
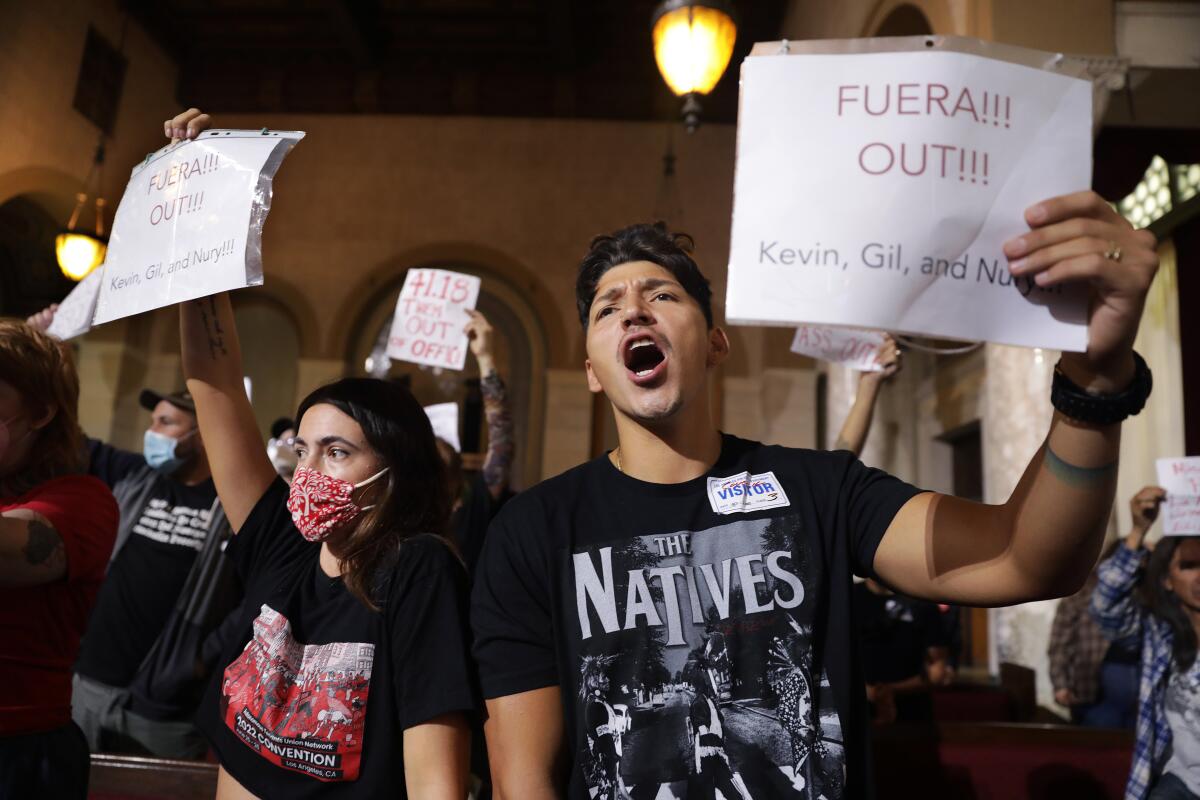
(1123,620)
(1077,647)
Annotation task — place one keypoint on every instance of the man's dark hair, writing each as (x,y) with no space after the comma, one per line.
(653,243)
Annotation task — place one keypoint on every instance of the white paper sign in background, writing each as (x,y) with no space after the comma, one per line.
(444,419)
(430,316)
(190,221)
(74,315)
(1181,511)
(856,349)
(875,190)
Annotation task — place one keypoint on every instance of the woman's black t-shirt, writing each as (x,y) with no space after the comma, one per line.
(316,690)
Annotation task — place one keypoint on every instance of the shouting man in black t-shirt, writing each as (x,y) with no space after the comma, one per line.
(640,556)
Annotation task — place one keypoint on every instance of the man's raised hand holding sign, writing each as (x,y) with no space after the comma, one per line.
(1043,541)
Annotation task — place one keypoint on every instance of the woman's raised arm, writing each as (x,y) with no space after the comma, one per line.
(212,365)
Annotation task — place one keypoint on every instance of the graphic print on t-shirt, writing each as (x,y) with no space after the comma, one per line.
(176,525)
(696,667)
(301,707)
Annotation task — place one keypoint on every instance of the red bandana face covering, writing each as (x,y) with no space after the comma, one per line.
(321,503)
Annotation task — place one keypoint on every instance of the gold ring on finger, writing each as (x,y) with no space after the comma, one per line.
(1113,253)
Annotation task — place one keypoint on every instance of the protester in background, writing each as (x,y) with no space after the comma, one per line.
(858,422)
(1096,680)
(904,652)
(1166,753)
(57,527)
(281,447)
(476,502)
(166,495)
(353,599)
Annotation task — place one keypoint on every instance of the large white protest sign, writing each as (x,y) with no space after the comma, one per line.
(430,317)
(855,348)
(875,190)
(1181,511)
(190,221)
(444,419)
(74,315)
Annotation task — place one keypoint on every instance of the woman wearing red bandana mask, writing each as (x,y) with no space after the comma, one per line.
(348,675)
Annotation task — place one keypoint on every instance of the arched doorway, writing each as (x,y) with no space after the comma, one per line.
(270,346)
(520,346)
(30,278)
(904,20)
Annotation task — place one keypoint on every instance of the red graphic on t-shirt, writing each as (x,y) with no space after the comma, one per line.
(301,707)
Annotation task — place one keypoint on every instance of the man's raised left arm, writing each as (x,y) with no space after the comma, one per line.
(1044,541)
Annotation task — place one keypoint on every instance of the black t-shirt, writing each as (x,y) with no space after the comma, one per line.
(168,525)
(469,525)
(315,692)
(626,593)
(895,633)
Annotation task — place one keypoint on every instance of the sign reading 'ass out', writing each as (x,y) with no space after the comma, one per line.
(875,190)
(430,317)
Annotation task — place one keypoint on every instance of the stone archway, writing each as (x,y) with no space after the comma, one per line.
(522,355)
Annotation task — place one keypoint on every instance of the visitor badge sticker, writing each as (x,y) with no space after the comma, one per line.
(1181,510)
(190,222)
(430,317)
(874,188)
(743,493)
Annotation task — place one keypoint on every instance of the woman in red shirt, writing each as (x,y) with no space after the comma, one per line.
(57,528)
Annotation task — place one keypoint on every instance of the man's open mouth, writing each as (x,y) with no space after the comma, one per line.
(643,356)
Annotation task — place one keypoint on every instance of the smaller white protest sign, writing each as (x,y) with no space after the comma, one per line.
(1181,511)
(430,317)
(74,315)
(444,419)
(857,349)
(190,221)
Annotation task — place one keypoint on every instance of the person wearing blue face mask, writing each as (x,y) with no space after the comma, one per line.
(166,496)
(167,503)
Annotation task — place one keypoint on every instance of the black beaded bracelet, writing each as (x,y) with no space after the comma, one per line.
(1102,409)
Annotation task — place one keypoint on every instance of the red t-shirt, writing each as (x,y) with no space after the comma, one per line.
(40,626)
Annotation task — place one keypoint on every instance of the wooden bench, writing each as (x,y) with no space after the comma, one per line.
(948,761)
(133,777)
(998,761)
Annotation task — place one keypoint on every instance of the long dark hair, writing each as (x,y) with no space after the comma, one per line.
(415,499)
(1166,604)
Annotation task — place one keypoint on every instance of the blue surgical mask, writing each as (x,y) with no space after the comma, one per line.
(159,450)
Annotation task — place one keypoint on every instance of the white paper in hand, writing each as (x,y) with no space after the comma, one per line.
(190,221)
(856,349)
(875,190)
(1181,511)
(74,315)
(444,419)
(430,316)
